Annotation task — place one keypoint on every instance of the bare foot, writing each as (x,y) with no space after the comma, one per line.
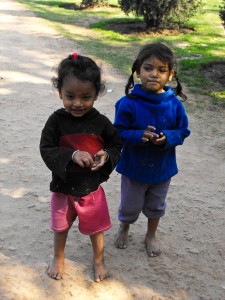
(122,236)
(152,246)
(56,270)
(100,272)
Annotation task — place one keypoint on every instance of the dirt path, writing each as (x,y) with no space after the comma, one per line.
(192,263)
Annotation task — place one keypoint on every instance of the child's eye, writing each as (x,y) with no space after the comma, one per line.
(69,97)
(163,70)
(147,69)
(86,97)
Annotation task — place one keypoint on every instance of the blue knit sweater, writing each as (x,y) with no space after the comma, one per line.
(146,162)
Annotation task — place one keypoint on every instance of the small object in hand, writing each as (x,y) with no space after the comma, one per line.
(97,159)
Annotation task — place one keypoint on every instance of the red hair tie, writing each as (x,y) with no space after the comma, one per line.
(75,55)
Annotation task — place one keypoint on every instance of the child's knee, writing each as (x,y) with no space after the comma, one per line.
(128,218)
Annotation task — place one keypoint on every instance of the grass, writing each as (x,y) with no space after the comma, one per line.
(89,29)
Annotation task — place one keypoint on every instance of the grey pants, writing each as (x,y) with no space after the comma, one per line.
(139,197)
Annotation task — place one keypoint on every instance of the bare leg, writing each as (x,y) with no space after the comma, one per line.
(55,271)
(122,236)
(100,270)
(152,245)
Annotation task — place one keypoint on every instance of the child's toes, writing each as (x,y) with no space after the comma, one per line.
(57,276)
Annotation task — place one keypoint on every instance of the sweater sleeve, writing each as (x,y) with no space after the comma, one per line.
(176,136)
(123,122)
(113,145)
(56,158)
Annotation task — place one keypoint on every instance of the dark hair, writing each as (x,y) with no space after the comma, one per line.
(161,52)
(82,67)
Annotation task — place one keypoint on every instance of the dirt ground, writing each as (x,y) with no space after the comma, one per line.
(192,236)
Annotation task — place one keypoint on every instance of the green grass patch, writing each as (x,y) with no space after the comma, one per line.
(219,98)
(90,29)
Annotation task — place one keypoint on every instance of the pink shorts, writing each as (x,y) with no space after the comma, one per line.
(92,212)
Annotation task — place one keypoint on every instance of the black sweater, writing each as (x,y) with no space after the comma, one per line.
(62,135)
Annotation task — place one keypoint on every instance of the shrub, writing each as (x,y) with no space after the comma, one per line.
(161,13)
(94,3)
(222,12)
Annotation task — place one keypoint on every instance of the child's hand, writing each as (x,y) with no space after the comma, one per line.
(83,159)
(99,159)
(160,140)
(148,135)
(156,139)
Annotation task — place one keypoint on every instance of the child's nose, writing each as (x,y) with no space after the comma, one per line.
(77,102)
(154,72)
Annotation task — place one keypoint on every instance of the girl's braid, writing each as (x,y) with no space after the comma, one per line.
(178,88)
(130,82)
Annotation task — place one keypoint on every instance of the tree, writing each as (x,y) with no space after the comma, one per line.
(160,13)
(94,3)
(222,12)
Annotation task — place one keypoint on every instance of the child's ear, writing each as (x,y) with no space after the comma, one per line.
(171,75)
(60,95)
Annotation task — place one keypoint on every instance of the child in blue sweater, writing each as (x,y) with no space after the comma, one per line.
(152,122)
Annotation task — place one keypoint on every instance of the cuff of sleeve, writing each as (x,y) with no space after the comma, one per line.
(73,155)
(107,158)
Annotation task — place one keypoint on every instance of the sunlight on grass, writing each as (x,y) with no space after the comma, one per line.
(219,98)
(90,30)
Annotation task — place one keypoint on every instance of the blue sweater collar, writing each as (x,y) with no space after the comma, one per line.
(158,98)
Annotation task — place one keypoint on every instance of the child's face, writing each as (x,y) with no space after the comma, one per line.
(154,74)
(78,96)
